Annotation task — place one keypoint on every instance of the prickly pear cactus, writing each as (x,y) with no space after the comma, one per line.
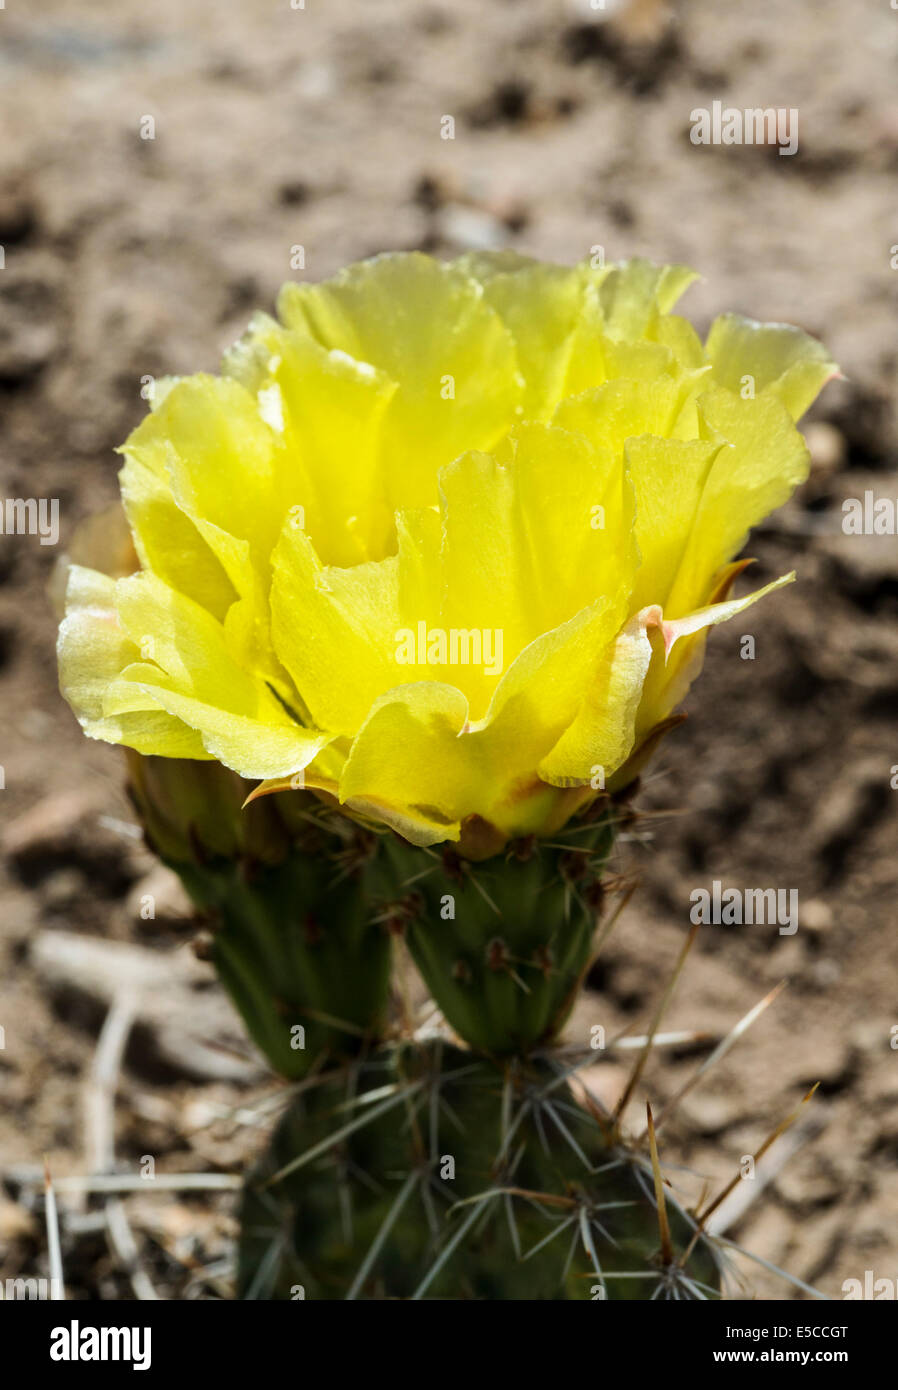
(426,1171)
(460,621)
(419,1168)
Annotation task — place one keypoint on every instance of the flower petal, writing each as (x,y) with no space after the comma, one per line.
(329,409)
(92,651)
(522,549)
(541,304)
(764,460)
(669,478)
(601,737)
(187,669)
(209,441)
(777,357)
(635,293)
(624,409)
(429,328)
(334,630)
(409,755)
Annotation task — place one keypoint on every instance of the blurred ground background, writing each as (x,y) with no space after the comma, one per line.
(320,127)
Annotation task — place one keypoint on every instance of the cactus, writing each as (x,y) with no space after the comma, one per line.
(461,1164)
(427,1171)
(416,1168)
(504,944)
(441,546)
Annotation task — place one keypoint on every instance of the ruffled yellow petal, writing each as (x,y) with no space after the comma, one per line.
(680,338)
(541,305)
(167,542)
(334,630)
(763,459)
(759,357)
(573,511)
(531,541)
(328,409)
(601,737)
(187,467)
(429,329)
(185,667)
(577,327)
(542,696)
(255,748)
(409,755)
(420,750)
(635,293)
(669,478)
(92,650)
(218,456)
(419,534)
(624,409)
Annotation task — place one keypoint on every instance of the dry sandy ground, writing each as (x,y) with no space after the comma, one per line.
(320,127)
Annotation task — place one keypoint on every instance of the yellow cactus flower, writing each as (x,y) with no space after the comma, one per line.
(443,540)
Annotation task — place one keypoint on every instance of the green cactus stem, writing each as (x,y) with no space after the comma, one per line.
(285,889)
(503,944)
(424,1171)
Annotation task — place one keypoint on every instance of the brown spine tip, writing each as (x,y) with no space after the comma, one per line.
(497,956)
